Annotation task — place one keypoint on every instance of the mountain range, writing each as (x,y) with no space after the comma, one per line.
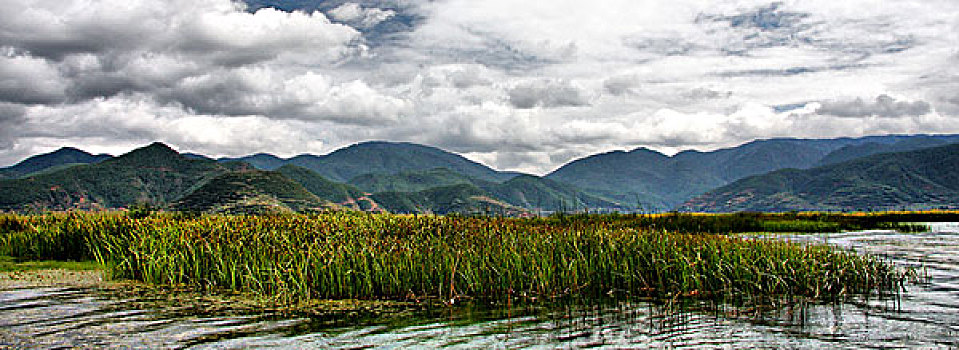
(919,179)
(405,177)
(656,182)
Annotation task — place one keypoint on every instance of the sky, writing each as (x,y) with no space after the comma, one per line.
(516,85)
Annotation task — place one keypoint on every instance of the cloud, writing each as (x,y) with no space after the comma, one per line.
(25,79)
(884,106)
(547,94)
(11,119)
(123,122)
(307,96)
(55,29)
(621,84)
(518,85)
(78,50)
(359,16)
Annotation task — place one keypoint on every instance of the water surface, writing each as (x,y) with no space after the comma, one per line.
(925,316)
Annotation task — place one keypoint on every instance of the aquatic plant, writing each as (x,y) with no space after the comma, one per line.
(352,255)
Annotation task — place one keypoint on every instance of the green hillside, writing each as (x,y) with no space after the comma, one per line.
(61,158)
(410,181)
(525,191)
(341,194)
(921,179)
(391,158)
(153,174)
(852,152)
(533,192)
(653,181)
(463,199)
(251,191)
(260,161)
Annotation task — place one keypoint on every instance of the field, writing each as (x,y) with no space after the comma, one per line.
(300,257)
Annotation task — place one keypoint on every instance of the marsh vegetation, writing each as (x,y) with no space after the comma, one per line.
(362,256)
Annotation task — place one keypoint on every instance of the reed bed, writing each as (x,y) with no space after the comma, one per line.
(750,222)
(361,256)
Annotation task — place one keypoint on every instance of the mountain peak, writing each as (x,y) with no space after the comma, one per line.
(156,154)
(159,146)
(382,157)
(647,152)
(60,157)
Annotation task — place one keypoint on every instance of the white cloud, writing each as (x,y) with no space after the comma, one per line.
(359,16)
(884,106)
(306,96)
(546,93)
(107,47)
(517,85)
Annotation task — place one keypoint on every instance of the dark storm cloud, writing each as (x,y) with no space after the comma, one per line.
(53,52)
(11,119)
(492,78)
(30,80)
(884,106)
(548,94)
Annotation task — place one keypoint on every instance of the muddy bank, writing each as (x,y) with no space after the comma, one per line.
(52,278)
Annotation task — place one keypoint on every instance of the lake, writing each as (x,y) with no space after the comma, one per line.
(926,315)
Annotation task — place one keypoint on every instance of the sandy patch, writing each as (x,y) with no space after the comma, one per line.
(51,278)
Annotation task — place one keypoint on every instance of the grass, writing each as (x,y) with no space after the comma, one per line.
(360,256)
(750,222)
(10,264)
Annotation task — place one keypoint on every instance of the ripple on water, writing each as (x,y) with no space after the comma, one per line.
(927,316)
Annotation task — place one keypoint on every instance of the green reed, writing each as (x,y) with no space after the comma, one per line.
(348,255)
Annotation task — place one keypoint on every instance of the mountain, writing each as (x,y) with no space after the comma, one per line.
(660,182)
(533,192)
(377,157)
(262,161)
(61,158)
(921,179)
(342,194)
(251,191)
(410,181)
(525,191)
(435,180)
(654,181)
(154,174)
(462,199)
(391,158)
(320,186)
(851,152)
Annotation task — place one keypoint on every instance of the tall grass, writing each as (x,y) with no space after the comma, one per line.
(798,222)
(346,255)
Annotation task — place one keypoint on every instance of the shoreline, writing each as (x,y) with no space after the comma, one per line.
(52,278)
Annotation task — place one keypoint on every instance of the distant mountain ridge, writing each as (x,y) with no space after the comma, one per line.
(377,157)
(920,179)
(851,152)
(160,176)
(654,181)
(65,156)
(432,180)
(153,174)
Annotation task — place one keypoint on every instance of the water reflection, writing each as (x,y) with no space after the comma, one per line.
(926,316)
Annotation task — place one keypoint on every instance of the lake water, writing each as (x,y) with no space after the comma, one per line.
(925,316)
